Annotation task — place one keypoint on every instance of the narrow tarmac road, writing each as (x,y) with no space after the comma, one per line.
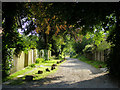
(72,74)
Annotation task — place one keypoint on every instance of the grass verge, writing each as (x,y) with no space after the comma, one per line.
(33,71)
(96,64)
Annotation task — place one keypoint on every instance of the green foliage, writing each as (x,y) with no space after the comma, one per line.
(32,65)
(50,19)
(79,46)
(103,46)
(10,36)
(95,64)
(30,41)
(17,73)
(39,60)
(89,48)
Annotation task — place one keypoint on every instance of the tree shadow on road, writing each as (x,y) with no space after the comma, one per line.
(103,81)
(99,82)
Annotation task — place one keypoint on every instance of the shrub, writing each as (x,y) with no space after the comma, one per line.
(32,65)
(42,60)
(37,60)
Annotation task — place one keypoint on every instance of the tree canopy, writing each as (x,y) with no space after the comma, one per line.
(56,22)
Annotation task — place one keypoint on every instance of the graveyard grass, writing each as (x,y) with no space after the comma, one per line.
(96,64)
(21,80)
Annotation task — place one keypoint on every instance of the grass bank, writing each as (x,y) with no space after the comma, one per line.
(96,64)
(18,78)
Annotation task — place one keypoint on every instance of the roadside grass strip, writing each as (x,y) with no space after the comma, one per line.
(18,78)
(96,64)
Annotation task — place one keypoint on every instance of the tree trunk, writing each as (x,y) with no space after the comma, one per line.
(46,47)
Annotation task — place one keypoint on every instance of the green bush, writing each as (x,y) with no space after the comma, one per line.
(42,60)
(32,65)
(38,60)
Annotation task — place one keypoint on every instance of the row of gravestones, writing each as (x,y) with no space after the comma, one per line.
(46,54)
(30,77)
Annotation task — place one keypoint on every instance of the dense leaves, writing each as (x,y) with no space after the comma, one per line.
(60,23)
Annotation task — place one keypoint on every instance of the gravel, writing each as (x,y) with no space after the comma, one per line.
(72,74)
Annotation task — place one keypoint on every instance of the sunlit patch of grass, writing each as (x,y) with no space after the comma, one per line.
(50,62)
(14,75)
(34,72)
(45,73)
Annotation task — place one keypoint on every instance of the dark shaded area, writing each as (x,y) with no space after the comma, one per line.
(83,84)
(98,82)
(60,89)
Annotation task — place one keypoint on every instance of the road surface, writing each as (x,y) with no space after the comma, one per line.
(72,74)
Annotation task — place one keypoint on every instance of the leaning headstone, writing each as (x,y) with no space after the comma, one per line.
(29,78)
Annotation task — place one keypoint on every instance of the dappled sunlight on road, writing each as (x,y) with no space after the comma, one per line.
(74,74)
